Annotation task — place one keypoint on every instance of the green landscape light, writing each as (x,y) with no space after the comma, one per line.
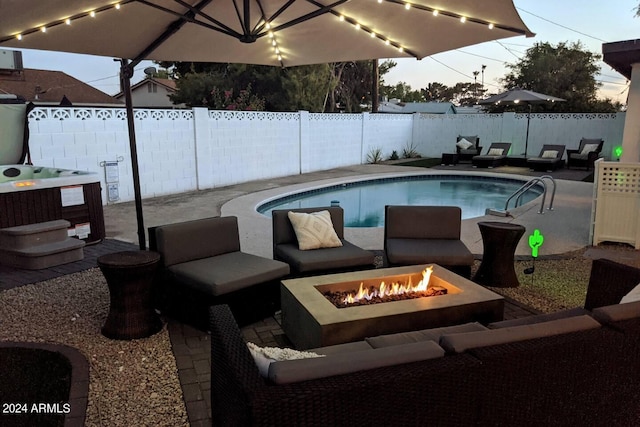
(535,241)
(618,151)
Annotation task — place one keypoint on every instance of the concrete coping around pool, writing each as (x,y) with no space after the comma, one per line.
(566,228)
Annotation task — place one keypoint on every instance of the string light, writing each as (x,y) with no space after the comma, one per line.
(358,26)
(65,21)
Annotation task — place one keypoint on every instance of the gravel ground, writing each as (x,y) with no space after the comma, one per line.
(132,383)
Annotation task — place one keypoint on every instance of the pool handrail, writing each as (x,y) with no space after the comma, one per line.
(526,186)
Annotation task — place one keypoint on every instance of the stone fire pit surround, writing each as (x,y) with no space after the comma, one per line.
(310,320)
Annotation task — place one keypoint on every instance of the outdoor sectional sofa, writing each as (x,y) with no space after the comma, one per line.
(577,367)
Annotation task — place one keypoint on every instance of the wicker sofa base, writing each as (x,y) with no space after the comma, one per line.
(589,377)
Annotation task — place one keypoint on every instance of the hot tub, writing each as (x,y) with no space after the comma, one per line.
(32,194)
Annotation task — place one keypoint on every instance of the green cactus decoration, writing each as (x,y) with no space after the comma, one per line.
(535,241)
(618,151)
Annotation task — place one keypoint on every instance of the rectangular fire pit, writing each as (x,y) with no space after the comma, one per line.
(310,320)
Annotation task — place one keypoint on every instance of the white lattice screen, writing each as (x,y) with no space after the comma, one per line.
(616,203)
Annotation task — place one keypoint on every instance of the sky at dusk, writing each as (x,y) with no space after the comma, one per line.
(591,22)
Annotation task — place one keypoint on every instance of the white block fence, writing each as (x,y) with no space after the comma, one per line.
(188,150)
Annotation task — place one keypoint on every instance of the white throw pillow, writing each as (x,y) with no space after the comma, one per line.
(265,356)
(464,144)
(549,154)
(496,152)
(632,296)
(314,230)
(589,148)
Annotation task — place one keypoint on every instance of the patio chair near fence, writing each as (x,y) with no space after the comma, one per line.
(586,154)
(549,159)
(496,156)
(467,147)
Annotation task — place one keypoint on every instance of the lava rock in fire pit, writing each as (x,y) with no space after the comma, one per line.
(338,298)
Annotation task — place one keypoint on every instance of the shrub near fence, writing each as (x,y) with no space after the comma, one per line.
(187,150)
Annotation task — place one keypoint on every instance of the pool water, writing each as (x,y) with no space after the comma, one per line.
(363,202)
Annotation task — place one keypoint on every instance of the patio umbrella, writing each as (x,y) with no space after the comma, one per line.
(519,96)
(267,32)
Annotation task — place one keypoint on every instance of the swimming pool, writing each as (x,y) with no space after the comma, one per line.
(364,201)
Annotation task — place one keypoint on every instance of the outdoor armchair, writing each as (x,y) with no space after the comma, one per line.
(464,150)
(426,234)
(586,154)
(202,265)
(343,256)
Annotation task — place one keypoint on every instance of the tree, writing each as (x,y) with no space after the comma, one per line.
(308,87)
(566,71)
(315,88)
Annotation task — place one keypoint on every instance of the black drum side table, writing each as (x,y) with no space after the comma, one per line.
(129,276)
(499,240)
(449,159)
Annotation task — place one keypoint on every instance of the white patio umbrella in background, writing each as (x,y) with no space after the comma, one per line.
(267,32)
(517,96)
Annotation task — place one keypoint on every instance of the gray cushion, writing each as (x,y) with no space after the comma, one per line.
(342,348)
(617,312)
(530,320)
(432,334)
(228,272)
(579,156)
(416,251)
(543,160)
(348,255)
(458,343)
(291,371)
(423,222)
(470,151)
(202,238)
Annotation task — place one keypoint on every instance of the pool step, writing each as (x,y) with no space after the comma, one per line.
(40,245)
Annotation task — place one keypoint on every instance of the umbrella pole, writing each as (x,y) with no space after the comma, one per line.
(126,72)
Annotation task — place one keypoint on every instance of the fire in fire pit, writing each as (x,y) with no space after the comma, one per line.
(394,291)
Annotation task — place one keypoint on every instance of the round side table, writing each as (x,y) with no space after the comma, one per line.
(499,240)
(129,277)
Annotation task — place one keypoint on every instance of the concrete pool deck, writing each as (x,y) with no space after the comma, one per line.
(566,228)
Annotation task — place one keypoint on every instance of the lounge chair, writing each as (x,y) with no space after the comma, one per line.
(467,147)
(327,258)
(549,159)
(496,156)
(586,154)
